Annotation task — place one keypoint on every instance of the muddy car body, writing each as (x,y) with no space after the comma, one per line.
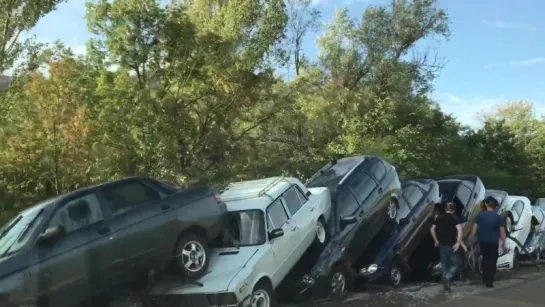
(365,195)
(466,192)
(392,260)
(273,222)
(90,241)
(534,245)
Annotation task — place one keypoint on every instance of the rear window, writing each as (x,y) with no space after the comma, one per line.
(331,176)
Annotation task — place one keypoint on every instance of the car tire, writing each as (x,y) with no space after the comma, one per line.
(263,294)
(322,235)
(393,209)
(507,219)
(516,259)
(340,282)
(396,275)
(191,255)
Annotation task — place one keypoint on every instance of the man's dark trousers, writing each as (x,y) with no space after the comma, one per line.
(489,252)
(449,261)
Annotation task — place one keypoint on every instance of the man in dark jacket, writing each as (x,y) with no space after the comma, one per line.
(447,234)
(489,230)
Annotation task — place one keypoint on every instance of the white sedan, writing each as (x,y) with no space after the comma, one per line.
(518,226)
(273,222)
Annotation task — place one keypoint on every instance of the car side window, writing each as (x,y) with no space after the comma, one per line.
(276,215)
(126,195)
(362,186)
(78,213)
(292,200)
(518,207)
(378,170)
(347,203)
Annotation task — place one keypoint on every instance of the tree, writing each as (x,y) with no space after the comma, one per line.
(19,16)
(302,18)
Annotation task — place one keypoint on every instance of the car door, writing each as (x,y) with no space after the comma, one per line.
(277,217)
(136,217)
(522,230)
(358,232)
(370,193)
(299,211)
(69,270)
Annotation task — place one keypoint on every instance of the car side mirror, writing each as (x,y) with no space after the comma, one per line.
(404,221)
(51,235)
(348,220)
(276,233)
(309,193)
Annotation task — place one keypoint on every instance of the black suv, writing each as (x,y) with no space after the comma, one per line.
(90,241)
(365,193)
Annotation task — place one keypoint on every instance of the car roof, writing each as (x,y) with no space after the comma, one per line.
(423,183)
(257,194)
(336,171)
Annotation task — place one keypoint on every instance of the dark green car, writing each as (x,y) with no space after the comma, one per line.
(67,250)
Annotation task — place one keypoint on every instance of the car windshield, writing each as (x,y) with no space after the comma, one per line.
(245,228)
(15,234)
(330,177)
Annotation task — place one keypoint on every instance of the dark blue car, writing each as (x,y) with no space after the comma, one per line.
(389,257)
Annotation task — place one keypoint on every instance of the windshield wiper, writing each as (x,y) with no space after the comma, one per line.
(10,226)
(25,230)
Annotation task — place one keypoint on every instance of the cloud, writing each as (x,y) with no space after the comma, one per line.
(455,99)
(468,111)
(527,62)
(508,25)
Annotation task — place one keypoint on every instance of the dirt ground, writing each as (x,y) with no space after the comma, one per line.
(428,293)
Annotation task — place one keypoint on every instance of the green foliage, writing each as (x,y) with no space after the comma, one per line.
(188,92)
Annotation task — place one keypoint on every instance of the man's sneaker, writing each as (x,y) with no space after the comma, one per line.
(446,284)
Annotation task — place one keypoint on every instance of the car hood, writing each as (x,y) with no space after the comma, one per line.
(224,266)
(12,264)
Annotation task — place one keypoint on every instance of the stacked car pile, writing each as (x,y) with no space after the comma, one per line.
(353,219)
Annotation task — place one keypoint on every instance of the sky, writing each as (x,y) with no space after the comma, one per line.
(496,52)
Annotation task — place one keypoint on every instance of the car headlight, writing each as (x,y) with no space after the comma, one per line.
(372,268)
(308,280)
(530,249)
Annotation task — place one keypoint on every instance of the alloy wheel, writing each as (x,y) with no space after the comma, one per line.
(260,298)
(193,256)
(338,283)
(395,276)
(392,210)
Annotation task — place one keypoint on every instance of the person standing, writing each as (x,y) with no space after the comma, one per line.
(447,234)
(489,230)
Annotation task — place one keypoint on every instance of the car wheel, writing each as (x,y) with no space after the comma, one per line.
(508,222)
(192,255)
(340,282)
(321,233)
(392,209)
(396,275)
(516,259)
(262,296)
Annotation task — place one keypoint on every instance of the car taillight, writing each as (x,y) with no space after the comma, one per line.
(217,198)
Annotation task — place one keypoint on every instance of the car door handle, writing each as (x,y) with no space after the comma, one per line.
(311,209)
(103,230)
(165,207)
(294,228)
(380,190)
